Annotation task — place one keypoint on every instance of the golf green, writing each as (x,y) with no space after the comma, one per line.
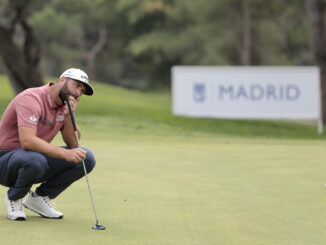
(179,190)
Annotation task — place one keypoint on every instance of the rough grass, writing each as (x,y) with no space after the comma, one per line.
(145,112)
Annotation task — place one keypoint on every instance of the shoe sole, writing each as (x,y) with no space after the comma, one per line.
(18,218)
(44,216)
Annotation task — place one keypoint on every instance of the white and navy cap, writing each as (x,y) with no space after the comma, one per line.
(80,76)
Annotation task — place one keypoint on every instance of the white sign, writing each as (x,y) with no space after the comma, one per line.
(247,92)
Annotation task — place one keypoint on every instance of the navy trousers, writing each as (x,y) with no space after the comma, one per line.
(20,169)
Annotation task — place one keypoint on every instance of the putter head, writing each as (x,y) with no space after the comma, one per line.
(98,227)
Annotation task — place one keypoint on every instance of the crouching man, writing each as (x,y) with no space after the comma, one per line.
(28,125)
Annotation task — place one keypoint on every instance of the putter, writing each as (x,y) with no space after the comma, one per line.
(73,120)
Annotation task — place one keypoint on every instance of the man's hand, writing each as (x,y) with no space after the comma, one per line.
(75,155)
(30,141)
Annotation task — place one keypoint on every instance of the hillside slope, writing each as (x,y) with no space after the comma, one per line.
(133,112)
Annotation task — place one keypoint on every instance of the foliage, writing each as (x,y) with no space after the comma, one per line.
(145,38)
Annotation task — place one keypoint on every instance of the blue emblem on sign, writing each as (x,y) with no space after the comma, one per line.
(199,92)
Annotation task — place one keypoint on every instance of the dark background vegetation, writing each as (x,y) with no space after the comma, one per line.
(134,43)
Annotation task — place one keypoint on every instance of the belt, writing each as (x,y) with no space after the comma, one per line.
(2,151)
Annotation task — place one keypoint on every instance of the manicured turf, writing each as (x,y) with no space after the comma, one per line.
(165,180)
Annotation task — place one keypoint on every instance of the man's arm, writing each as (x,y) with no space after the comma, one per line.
(68,133)
(29,141)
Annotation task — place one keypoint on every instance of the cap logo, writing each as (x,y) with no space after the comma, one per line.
(84,77)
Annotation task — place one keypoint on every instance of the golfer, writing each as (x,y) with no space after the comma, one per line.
(28,125)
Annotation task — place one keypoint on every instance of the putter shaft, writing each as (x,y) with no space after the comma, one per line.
(84,167)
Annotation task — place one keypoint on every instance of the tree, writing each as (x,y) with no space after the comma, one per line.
(208,32)
(74,38)
(246,49)
(316,12)
(89,54)
(19,48)
(134,43)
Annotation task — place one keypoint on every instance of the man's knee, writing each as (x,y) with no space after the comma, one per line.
(89,161)
(38,169)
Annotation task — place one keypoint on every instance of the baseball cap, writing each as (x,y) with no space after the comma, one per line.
(80,76)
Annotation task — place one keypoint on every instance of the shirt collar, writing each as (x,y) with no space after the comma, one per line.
(49,98)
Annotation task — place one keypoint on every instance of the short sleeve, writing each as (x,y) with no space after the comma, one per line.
(28,111)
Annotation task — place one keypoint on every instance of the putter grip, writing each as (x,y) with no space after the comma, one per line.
(73,120)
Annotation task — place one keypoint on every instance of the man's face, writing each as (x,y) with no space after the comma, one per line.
(73,88)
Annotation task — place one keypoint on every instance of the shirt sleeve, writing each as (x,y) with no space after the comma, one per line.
(28,111)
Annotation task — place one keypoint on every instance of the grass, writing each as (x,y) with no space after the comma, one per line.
(128,111)
(165,180)
(152,112)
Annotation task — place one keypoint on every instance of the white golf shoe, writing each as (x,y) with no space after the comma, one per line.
(15,209)
(42,206)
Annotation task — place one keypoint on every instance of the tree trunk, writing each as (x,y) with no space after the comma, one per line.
(283,34)
(246,49)
(91,54)
(316,15)
(20,62)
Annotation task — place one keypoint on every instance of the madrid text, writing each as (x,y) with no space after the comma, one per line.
(258,92)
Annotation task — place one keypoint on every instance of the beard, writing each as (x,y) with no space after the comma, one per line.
(63,92)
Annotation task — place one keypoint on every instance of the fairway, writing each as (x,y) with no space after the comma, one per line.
(161,180)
